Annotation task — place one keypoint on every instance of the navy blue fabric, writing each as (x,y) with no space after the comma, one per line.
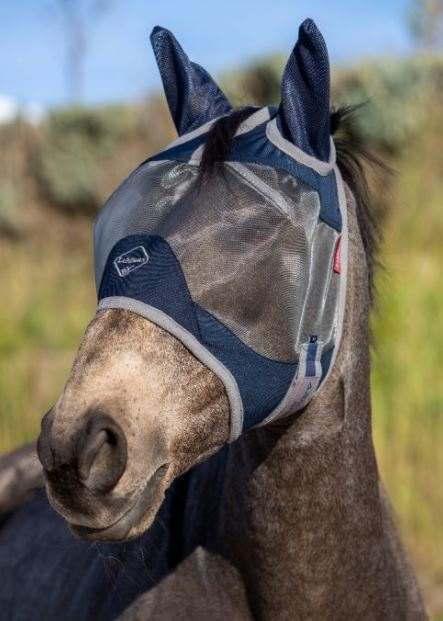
(193,96)
(310,359)
(326,363)
(262,382)
(160,282)
(254,146)
(181,152)
(304,116)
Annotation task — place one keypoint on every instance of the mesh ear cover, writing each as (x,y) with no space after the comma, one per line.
(304,114)
(193,96)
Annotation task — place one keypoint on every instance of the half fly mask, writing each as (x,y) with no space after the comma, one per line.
(248,268)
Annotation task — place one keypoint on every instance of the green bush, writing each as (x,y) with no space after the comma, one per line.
(9,199)
(257,84)
(74,148)
(398,95)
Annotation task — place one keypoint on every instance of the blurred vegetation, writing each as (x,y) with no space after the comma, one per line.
(9,207)
(54,177)
(74,150)
(258,84)
(398,95)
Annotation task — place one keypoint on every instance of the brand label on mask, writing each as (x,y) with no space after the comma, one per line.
(131,260)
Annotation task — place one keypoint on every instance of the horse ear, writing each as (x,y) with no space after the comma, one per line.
(304,114)
(193,96)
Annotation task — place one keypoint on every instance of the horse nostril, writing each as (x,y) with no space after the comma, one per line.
(101,453)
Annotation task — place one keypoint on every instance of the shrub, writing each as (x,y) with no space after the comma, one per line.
(9,199)
(257,84)
(398,95)
(74,147)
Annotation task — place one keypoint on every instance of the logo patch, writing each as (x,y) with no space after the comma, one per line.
(131,260)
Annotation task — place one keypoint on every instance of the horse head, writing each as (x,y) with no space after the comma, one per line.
(221,295)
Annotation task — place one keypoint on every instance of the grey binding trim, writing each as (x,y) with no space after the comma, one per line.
(260,116)
(343,205)
(260,186)
(193,134)
(323,168)
(189,340)
(279,411)
(257,118)
(302,389)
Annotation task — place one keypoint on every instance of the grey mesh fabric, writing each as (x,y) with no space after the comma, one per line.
(247,268)
(248,243)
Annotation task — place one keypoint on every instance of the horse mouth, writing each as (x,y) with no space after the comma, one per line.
(149,499)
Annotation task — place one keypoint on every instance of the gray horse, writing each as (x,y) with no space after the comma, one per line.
(171,520)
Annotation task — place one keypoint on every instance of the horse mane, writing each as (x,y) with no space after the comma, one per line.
(361,168)
(354,161)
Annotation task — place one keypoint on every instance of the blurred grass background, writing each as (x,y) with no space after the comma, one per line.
(54,177)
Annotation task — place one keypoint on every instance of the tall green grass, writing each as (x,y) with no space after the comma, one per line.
(48,297)
(407,377)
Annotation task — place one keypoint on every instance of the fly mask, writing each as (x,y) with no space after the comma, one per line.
(247,268)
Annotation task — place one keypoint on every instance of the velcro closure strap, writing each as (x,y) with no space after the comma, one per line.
(307,380)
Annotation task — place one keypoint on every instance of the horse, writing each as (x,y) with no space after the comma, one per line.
(167,509)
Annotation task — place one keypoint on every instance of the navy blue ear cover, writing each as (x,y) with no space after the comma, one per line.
(193,96)
(304,114)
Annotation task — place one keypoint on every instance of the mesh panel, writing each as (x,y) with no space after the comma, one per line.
(249,242)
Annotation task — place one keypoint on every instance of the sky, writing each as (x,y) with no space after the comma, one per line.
(119,65)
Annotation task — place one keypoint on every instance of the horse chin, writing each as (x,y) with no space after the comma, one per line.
(137,518)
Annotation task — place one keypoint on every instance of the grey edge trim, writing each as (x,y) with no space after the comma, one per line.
(260,186)
(192,134)
(274,136)
(260,116)
(276,413)
(257,118)
(189,340)
(343,205)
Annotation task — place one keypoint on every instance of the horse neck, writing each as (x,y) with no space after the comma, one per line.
(302,515)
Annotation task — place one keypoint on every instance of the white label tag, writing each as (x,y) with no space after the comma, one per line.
(299,394)
(303,387)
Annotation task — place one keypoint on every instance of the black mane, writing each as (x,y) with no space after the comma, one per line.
(353,159)
(357,163)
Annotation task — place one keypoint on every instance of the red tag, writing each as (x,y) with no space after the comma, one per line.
(337,263)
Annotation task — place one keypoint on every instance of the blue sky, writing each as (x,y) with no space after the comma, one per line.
(220,35)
